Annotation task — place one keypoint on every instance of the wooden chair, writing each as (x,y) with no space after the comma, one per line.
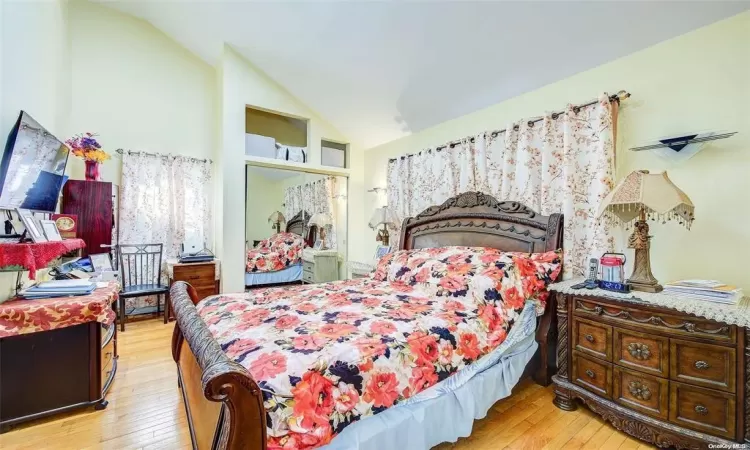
(140,275)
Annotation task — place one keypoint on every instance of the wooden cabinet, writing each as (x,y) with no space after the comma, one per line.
(49,372)
(669,378)
(202,276)
(91,201)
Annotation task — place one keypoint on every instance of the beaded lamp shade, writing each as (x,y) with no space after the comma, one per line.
(653,194)
(641,196)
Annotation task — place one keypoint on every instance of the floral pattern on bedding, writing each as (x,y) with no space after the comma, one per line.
(331,354)
(434,269)
(275,253)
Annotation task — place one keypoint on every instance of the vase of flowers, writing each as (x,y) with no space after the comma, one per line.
(85,146)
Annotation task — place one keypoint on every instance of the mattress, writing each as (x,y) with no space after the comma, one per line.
(288,275)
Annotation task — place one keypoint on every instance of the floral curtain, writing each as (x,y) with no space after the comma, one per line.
(164,199)
(563,163)
(314,197)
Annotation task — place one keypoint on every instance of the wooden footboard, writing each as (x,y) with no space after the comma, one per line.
(224,405)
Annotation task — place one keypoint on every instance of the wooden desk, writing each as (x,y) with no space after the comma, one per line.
(56,355)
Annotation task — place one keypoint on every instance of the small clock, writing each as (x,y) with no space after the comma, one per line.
(67,224)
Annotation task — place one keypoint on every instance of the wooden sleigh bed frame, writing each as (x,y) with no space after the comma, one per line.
(224,404)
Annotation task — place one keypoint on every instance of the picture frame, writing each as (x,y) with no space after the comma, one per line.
(100,262)
(381,251)
(33,227)
(49,228)
(318,244)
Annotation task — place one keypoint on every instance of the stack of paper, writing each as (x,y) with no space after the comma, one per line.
(58,288)
(709,290)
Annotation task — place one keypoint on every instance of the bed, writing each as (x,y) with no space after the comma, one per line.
(227,408)
(291,273)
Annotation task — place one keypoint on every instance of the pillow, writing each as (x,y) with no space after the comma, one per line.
(481,272)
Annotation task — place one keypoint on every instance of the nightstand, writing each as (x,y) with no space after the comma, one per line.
(203,276)
(670,370)
(320,266)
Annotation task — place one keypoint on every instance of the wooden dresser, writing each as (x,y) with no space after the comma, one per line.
(666,377)
(50,372)
(204,277)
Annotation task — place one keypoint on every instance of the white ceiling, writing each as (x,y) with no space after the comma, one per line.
(380,70)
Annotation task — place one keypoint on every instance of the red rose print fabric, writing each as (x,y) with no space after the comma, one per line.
(29,316)
(328,355)
(275,253)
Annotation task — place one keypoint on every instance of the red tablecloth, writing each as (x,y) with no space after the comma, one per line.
(30,316)
(33,257)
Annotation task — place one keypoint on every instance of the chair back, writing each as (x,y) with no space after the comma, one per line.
(140,264)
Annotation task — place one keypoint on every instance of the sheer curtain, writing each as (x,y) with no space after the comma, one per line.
(164,199)
(562,163)
(314,197)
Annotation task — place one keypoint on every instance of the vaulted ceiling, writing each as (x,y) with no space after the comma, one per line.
(380,70)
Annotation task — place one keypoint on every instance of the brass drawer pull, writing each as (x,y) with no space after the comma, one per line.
(639,390)
(590,373)
(702,410)
(702,365)
(639,351)
(589,338)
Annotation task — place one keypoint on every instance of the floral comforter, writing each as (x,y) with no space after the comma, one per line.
(329,355)
(275,253)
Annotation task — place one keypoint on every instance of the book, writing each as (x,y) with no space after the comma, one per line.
(709,290)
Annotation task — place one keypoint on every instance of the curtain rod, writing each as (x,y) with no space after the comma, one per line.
(621,95)
(159,155)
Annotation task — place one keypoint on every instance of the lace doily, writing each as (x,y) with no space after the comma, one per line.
(737,314)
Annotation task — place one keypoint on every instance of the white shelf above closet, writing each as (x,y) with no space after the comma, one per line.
(290,165)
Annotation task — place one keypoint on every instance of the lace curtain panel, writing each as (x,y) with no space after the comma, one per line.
(314,197)
(163,199)
(556,165)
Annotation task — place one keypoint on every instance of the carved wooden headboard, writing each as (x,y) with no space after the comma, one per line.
(478,220)
(298,225)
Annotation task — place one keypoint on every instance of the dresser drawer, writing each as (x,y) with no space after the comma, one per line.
(648,321)
(649,353)
(593,374)
(644,393)
(308,277)
(592,338)
(198,275)
(702,364)
(204,292)
(702,409)
(108,353)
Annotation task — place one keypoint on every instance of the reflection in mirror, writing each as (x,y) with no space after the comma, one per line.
(295,227)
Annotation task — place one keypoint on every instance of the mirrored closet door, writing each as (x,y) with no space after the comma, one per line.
(295,227)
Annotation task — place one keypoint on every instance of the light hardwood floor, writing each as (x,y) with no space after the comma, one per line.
(146,411)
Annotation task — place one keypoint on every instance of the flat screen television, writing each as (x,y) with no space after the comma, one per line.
(32,168)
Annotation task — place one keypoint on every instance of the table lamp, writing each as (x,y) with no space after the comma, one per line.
(276,218)
(382,216)
(638,197)
(321,220)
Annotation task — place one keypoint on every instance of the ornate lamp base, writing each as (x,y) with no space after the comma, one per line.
(642,279)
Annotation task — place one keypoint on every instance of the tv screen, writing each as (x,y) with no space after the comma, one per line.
(32,168)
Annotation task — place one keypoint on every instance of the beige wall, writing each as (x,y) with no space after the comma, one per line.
(113,75)
(696,82)
(264,196)
(241,85)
